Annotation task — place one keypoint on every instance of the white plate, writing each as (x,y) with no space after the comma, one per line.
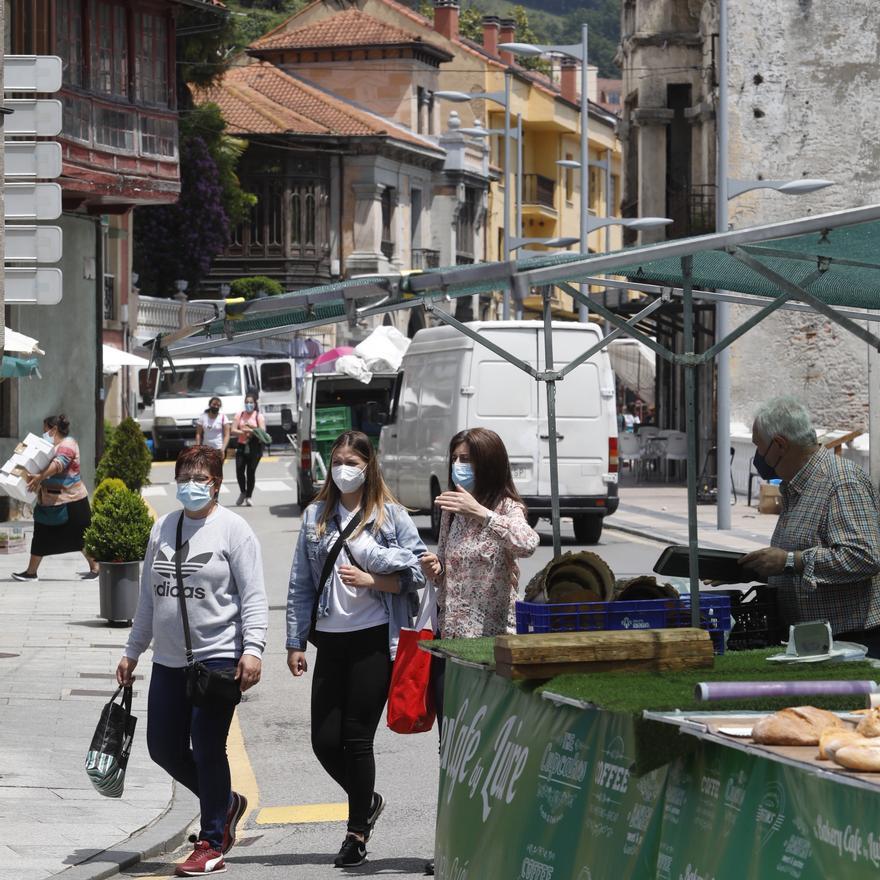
(841,651)
(736,731)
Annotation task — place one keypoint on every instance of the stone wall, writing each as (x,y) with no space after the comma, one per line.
(803,95)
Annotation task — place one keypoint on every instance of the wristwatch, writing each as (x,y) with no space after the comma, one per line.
(789,563)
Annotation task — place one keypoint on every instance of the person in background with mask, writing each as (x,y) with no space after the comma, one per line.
(483,531)
(213,428)
(228,614)
(356,607)
(62,513)
(248,424)
(824,556)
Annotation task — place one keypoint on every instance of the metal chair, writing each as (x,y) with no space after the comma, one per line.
(630,450)
(676,448)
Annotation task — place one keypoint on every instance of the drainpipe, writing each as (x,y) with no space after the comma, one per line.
(99,338)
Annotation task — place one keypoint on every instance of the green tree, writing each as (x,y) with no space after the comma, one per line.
(105,488)
(120,528)
(251,288)
(127,458)
(470,23)
(525,34)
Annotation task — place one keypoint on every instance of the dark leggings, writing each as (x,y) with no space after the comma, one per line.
(870,638)
(438,680)
(246,463)
(349,690)
(189,742)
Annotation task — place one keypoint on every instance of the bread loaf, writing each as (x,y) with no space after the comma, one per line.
(870,724)
(864,758)
(836,738)
(798,726)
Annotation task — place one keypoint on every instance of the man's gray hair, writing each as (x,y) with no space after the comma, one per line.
(785,417)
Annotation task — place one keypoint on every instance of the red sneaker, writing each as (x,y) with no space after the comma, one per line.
(237,806)
(203,860)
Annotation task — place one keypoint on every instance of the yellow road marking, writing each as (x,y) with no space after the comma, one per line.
(303,813)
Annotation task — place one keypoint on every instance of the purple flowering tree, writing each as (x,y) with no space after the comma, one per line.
(182,240)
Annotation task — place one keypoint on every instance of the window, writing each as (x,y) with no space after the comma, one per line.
(201,380)
(387,222)
(466,226)
(158,136)
(151,60)
(69,40)
(109,48)
(76,118)
(276,377)
(115,128)
(569,179)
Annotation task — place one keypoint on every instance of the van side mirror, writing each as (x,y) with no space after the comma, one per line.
(374,414)
(147,398)
(286,419)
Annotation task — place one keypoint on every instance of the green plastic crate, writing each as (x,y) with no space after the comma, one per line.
(331,421)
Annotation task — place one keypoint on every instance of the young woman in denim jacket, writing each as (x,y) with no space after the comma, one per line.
(369,595)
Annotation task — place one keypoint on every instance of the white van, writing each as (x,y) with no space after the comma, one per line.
(331,403)
(277,392)
(449,383)
(183,395)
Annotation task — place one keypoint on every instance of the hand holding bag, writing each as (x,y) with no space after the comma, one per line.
(410,699)
(108,753)
(204,686)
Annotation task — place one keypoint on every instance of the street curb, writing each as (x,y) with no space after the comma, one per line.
(643,532)
(162,835)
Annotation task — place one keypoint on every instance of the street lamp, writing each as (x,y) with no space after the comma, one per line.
(562,241)
(727,189)
(503,99)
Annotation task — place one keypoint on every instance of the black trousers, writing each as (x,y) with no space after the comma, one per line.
(246,461)
(349,691)
(870,638)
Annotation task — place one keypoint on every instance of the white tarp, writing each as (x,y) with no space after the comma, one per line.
(383,349)
(114,358)
(635,365)
(20,343)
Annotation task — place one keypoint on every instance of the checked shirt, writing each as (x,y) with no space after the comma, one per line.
(830,514)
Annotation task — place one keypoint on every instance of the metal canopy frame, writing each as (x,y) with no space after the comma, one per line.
(338,303)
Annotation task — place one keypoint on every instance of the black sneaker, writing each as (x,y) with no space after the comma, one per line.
(429,868)
(352,854)
(376,807)
(24,576)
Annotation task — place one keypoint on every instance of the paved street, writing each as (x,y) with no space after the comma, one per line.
(56,666)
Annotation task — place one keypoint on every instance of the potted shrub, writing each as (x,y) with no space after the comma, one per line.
(127,457)
(117,538)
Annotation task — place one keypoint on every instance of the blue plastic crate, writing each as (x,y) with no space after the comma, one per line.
(533,617)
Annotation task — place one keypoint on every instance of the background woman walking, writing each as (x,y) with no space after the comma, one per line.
(62,513)
(354,573)
(248,426)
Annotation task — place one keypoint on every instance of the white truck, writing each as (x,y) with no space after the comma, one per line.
(448,382)
(329,404)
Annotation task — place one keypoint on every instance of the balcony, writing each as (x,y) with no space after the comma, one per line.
(423,258)
(539,195)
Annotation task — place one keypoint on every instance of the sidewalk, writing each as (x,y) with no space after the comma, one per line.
(57,663)
(659,511)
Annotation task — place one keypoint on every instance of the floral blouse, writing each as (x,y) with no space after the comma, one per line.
(477,591)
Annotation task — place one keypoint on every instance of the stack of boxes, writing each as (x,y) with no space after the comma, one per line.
(31,456)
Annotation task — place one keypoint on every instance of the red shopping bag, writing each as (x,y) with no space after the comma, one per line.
(410,700)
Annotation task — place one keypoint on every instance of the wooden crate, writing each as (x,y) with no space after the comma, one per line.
(545,655)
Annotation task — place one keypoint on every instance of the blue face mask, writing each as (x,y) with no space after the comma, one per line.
(463,475)
(249,407)
(194,496)
(48,437)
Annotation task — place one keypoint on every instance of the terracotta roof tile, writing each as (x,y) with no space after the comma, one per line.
(340,31)
(261,99)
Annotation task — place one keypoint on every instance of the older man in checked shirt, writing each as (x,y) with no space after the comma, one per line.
(824,556)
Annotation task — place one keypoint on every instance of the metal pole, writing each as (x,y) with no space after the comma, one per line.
(583,311)
(549,365)
(609,209)
(690,392)
(505,307)
(722,309)
(519,196)
(874,408)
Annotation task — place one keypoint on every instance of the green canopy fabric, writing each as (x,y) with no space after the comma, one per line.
(18,368)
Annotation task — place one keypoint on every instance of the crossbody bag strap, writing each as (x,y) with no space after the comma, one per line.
(336,549)
(190,658)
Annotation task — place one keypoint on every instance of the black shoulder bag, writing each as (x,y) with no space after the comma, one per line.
(327,570)
(204,686)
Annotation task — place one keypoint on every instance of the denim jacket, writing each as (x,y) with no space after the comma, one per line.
(398,533)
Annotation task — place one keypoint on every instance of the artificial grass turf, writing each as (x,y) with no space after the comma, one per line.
(668,691)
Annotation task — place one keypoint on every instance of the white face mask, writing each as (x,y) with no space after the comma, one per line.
(348,478)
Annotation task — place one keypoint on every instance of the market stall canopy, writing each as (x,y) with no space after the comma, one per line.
(114,358)
(635,366)
(20,344)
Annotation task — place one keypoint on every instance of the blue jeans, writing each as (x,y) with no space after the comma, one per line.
(189,742)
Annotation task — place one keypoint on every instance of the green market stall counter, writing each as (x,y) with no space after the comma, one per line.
(544,782)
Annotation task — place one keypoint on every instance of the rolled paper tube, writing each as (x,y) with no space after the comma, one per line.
(872,701)
(746,690)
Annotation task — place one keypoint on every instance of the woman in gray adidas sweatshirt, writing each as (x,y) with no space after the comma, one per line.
(221,572)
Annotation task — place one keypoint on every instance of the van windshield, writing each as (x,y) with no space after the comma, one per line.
(201,380)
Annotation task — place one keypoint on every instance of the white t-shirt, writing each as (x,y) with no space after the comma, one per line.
(212,429)
(351,608)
